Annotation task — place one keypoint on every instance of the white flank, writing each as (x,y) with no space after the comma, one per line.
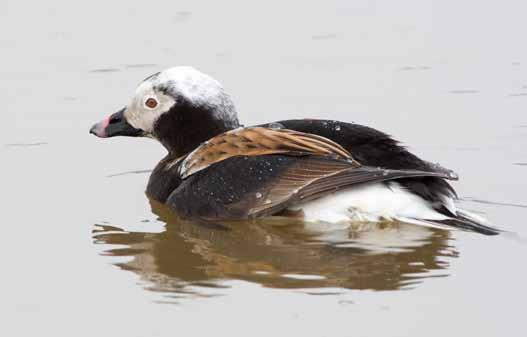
(370,202)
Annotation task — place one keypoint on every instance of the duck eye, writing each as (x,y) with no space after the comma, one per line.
(151,103)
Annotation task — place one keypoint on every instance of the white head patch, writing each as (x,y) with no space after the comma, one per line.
(172,84)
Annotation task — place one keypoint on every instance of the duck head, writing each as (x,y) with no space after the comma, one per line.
(180,107)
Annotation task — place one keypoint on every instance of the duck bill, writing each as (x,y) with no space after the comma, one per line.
(115,125)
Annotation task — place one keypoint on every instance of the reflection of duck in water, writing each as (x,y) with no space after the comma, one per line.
(320,170)
(189,254)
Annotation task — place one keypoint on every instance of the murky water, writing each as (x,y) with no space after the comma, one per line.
(84,250)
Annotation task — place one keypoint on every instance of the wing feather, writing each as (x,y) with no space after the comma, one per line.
(257,141)
(314,177)
(318,166)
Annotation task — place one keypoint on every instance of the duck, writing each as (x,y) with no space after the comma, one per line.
(315,170)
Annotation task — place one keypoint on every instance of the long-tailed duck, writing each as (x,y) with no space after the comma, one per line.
(321,170)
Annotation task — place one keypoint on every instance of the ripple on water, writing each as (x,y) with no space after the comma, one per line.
(26,144)
(463,91)
(409,68)
(105,70)
(141,65)
(324,36)
(495,203)
(180,260)
(128,173)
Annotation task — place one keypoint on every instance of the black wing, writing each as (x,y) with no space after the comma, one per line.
(374,148)
(251,186)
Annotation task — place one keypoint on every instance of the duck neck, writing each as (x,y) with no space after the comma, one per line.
(185,126)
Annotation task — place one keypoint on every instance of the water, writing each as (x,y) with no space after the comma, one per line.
(85,251)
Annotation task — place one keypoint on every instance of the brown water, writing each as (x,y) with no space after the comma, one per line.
(85,252)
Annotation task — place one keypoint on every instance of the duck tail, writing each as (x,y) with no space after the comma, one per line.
(463,220)
(472,222)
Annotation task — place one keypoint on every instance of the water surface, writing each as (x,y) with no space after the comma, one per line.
(84,250)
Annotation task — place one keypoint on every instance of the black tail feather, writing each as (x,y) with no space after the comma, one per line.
(470,222)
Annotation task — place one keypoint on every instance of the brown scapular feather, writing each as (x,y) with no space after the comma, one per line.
(257,141)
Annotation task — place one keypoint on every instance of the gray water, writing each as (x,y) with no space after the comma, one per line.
(85,252)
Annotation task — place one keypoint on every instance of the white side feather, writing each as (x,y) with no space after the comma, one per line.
(370,202)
